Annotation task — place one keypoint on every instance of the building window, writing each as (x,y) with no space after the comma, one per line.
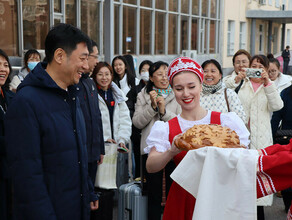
(277,3)
(230,38)
(160,4)
(35,23)
(213,8)
(8,27)
(185,6)
(262,2)
(134,2)
(270,2)
(205,8)
(212,38)
(172,34)
(288,37)
(159,32)
(194,38)
(89,21)
(261,48)
(145,31)
(173,5)
(184,32)
(129,30)
(70,8)
(195,7)
(117,29)
(242,35)
(146,3)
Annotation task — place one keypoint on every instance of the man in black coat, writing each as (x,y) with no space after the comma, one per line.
(45,134)
(286,59)
(88,97)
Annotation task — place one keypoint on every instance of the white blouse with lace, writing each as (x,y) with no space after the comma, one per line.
(159,133)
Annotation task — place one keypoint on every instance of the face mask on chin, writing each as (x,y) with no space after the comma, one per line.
(145,76)
(32,65)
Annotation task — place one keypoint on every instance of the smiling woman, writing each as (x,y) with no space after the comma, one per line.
(215,96)
(186,77)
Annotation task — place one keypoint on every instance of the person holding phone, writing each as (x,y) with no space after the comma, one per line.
(260,97)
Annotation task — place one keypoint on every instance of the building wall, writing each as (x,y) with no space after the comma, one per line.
(235,10)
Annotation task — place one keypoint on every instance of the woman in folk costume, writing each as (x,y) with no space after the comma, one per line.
(186,76)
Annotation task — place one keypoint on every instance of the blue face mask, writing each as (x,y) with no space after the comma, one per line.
(31,65)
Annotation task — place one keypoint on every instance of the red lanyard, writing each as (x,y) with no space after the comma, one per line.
(2,92)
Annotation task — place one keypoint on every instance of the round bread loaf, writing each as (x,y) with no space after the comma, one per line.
(207,135)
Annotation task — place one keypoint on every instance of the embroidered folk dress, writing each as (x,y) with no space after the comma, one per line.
(274,171)
(161,137)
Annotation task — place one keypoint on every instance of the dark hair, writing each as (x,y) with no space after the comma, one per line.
(270,56)
(275,61)
(64,36)
(240,52)
(155,66)
(215,62)
(93,44)
(287,47)
(28,54)
(143,63)
(262,59)
(6,84)
(98,67)
(130,75)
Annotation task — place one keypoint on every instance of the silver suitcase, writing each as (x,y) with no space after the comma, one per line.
(132,205)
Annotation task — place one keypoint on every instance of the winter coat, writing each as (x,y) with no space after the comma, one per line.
(258,106)
(217,102)
(230,82)
(121,119)
(282,82)
(284,114)
(18,78)
(45,139)
(5,181)
(145,116)
(88,97)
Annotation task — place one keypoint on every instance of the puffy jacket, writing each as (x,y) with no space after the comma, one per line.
(122,125)
(88,98)
(45,139)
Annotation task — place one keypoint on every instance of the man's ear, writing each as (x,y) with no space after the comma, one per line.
(59,55)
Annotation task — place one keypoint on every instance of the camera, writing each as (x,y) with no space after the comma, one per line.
(253,73)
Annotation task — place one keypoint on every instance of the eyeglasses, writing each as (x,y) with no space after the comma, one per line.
(273,72)
(242,62)
(94,56)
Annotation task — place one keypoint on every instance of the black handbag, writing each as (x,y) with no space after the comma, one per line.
(282,137)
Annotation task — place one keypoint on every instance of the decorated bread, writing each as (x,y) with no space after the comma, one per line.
(207,135)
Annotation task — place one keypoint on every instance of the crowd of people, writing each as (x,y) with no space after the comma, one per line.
(73,128)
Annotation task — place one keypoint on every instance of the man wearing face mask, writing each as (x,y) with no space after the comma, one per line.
(31,58)
(88,98)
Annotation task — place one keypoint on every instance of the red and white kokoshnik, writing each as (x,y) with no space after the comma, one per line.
(184,64)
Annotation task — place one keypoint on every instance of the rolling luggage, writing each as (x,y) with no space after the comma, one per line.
(132,205)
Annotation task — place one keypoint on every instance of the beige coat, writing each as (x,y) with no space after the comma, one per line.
(258,107)
(145,116)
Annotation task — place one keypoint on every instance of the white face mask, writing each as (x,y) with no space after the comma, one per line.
(145,76)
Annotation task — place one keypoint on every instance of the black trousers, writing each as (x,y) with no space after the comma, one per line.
(285,67)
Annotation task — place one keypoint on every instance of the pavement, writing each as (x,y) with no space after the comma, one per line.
(276,211)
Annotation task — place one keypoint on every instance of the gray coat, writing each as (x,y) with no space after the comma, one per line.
(145,116)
